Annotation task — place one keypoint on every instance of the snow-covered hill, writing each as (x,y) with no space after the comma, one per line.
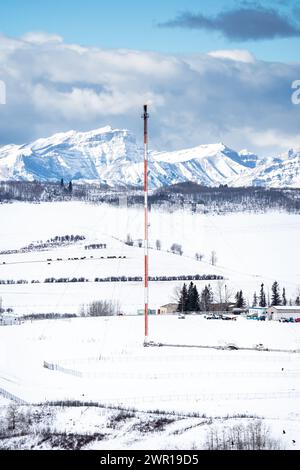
(113,157)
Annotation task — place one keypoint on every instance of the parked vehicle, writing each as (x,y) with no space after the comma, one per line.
(181,316)
(231,347)
(297,320)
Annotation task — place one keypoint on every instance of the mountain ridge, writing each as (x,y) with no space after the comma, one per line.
(113,157)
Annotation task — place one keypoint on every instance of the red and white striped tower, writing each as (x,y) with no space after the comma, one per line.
(146,222)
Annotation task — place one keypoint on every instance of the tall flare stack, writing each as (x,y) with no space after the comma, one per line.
(146,222)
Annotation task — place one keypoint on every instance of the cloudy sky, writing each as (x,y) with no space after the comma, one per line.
(211,70)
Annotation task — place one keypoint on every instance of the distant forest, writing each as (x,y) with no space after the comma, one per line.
(191,196)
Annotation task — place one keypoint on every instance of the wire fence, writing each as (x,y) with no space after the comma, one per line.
(202,397)
(159,358)
(171,375)
(12,397)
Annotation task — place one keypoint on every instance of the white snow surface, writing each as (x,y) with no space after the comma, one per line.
(103,359)
(251,249)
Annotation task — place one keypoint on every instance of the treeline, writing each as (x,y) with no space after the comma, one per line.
(36,192)
(226,199)
(190,300)
(66,238)
(53,280)
(56,241)
(96,246)
(189,195)
(48,316)
(277,298)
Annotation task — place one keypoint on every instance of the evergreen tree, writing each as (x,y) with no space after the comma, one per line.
(268,301)
(193,303)
(297,302)
(284,301)
(239,299)
(237,296)
(206,298)
(190,299)
(262,297)
(254,303)
(196,300)
(183,300)
(62,182)
(275,294)
(70,187)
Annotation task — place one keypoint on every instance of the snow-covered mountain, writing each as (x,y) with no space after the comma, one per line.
(209,165)
(112,156)
(281,172)
(97,155)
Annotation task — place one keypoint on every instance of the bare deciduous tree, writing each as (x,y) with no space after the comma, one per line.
(223,292)
(213,258)
(253,436)
(101,308)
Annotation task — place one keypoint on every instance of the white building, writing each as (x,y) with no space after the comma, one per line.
(280,311)
(258,311)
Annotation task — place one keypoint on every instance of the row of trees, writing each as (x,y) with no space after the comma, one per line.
(277,298)
(66,238)
(226,200)
(189,299)
(216,200)
(41,245)
(175,248)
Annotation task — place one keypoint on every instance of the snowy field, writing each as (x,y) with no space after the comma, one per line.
(103,360)
(250,249)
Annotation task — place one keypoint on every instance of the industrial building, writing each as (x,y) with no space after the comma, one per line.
(278,312)
(258,311)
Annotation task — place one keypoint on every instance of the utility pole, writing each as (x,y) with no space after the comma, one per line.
(145,117)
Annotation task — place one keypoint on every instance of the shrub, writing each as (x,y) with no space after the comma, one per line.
(101,308)
(253,436)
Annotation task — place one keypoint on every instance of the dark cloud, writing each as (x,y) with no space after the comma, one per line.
(240,24)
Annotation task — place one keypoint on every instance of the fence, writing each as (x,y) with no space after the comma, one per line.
(12,397)
(167,375)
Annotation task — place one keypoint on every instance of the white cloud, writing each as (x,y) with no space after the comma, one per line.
(53,86)
(238,55)
(272,138)
(40,37)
